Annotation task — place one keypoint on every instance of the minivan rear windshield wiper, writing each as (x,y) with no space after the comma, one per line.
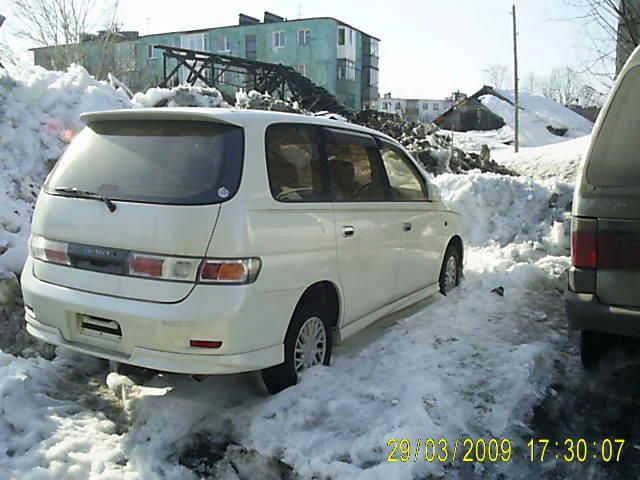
(86,194)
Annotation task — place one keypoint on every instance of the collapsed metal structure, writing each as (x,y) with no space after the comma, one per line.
(224,72)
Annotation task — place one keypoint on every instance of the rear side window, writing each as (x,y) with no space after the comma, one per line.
(295,163)
(615,159)
(407,185)
(159,161)
(353,165)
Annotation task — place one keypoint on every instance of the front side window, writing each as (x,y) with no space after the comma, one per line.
(354,172)
(295,164)
(278,39)
(159,161)
(407,185)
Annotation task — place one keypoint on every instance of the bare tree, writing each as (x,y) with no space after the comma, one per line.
(613,29)
(498,76)
(64,25)
(530,84)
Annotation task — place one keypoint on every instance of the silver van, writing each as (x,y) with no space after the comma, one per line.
(603,296)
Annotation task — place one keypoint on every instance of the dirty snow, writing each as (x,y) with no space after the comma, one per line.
(472,364)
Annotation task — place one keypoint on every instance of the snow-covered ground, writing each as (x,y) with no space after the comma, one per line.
(473,364)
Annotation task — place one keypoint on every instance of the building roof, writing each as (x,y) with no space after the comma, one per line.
(202,30)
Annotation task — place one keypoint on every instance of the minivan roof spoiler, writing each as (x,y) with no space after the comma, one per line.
(225,116)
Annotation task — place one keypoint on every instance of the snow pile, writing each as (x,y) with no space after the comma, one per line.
(559,161)
(38,116)
(180,96)
(536,114)
(502,210)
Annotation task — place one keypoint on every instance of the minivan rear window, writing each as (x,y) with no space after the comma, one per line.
(153,161)
(615,158)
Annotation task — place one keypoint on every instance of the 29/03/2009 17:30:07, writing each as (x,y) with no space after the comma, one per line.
(501,450)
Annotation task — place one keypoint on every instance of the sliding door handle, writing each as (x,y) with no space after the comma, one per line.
(348,231)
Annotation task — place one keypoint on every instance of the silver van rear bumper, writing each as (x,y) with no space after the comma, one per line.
(585,312)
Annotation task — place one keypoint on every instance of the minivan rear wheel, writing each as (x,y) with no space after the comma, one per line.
(450,271)
(307,344)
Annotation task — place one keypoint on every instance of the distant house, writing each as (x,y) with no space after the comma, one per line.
(542,120)
(412,109)
(471,114)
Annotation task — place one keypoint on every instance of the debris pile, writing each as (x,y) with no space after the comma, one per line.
(433,147)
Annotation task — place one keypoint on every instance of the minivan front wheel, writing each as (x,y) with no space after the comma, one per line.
(307,344)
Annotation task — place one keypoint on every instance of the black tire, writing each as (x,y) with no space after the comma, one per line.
(282,376)
(452,251)
(593,346)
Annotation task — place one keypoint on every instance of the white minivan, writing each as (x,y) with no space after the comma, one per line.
(214,241)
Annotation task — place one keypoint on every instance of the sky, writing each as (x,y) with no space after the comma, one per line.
(428,48)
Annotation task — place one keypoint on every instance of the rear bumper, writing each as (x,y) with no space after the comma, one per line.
(585,312)
(251,325)
(164,361)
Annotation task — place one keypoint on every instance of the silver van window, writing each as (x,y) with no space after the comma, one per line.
(615,158)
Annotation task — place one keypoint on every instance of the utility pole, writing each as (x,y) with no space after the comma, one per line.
(515,78)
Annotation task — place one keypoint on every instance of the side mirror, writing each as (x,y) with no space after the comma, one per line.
(434,193)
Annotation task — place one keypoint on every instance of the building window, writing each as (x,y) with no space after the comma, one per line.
(302,69)
(196,41)
(278,39)
(341,36)
(373,78)
(398,106)
(373,48)
(350,37)
(436,106)
(222,44)
(346,70)
(425,106)
(303,37)
(151,53)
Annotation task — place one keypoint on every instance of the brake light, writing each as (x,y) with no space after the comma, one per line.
(50,251)
(584,242)
(237,271)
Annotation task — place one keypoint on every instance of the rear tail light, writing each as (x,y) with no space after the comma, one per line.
(50,251)
(236,271)
(186,269)
(163,267)
(584,242)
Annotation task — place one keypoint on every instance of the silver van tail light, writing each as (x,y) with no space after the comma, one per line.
(50,251)
(584,242)
(230,271)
